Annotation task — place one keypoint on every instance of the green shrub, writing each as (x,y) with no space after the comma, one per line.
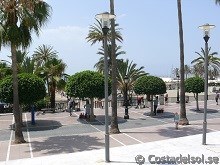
(150,85)
(30,88)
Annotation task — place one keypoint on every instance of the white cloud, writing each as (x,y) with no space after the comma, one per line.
(71,45)
(62,38)
(121,16)
(65,34)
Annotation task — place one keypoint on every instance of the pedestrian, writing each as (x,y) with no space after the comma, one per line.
(142,101)
(139,100)
(87,107)
(62,94)
(176,120)
(166,98)
(216,98)
(71,104)
(155,101)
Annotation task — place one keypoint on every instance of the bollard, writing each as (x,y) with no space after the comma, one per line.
(32,115)
(176,120)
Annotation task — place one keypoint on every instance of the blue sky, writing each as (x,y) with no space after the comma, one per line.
(149,29)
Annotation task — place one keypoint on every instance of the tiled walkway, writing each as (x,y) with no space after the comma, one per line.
(59,134)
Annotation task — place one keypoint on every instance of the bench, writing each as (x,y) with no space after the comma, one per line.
(48,109)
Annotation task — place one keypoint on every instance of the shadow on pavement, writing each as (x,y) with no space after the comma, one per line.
(160,115)
(182,131)
(40,125)
(201,110)
(67,144)
(100,120)
(40,112)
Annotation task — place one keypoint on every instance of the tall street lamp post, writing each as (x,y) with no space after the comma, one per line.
(206,28)
(126,116)
(105,21)
(178,88)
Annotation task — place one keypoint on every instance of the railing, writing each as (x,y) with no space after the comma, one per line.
(120,102)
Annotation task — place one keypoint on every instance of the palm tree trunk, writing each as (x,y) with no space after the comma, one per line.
(183,118)
(52,94)
(151,106)
(197,102)
(19,138)
(48,86)
(114,119)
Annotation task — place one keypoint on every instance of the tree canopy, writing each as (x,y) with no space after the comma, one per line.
(86,84)
(194,85)
(30,87)
(150,85)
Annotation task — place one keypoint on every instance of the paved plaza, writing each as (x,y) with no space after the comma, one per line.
(58,135)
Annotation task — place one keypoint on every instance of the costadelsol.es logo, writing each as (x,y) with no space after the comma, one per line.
(139,159)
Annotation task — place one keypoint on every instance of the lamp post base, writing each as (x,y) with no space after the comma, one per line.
(204,133)
(126,116)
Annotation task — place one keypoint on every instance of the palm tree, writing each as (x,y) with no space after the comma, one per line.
(53,70)
(95,33)
(183,118)
(198,70)
(114,119)
(28,65)
(100,64)
(41,55)
(129,69)
(18,20)
(213,62)
(25,64)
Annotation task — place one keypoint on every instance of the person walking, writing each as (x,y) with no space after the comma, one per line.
(139,101)
(176,120)
(155,101)
(166,98)
(87,107)
(70,105)
(216,98)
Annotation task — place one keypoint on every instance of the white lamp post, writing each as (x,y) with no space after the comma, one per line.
(206,28)
(105,20)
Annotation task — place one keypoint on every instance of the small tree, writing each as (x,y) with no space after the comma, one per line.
(30,87)
(87,84)
(195,85)
(150,85)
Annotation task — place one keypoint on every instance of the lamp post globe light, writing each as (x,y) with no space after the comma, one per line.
(206,28)
(105,21)
(126,116)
